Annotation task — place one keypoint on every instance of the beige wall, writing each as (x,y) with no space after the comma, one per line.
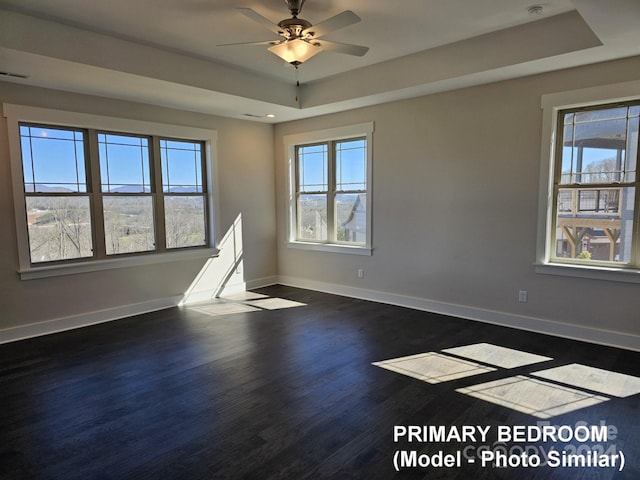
(455,206)
(246,188)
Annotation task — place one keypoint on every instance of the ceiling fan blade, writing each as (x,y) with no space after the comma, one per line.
(341,20)
(347,48)
(255,16)
(263,42)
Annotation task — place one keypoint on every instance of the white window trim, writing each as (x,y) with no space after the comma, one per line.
(551,104)
(21,113)
(330,134)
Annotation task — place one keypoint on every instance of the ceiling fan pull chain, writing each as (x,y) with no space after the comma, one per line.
(297,85)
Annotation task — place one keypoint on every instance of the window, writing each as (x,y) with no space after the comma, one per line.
(57,199)
(184,193)
(330,178)
(593,214)
(94,195)
(595,185)
(127,193)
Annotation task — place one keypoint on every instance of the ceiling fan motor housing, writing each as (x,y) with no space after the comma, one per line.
(294,6)
(294,26)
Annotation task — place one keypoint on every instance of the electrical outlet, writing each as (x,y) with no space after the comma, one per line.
(523,296)
(360,273)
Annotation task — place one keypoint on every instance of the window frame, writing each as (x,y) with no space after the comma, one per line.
(20,114)
(363,131)
(204,189)
(80,193)
(101,194)
(553,105)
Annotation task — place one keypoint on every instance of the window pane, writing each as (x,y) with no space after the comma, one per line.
(181,166)
(568,154)
(312,217)
(595,151)
(312,168)
(632,150)
(351,218)
(124,163)
(600,114)
(351,165)
(52,160)
(59,228)
(128,224)
(595,224)
(184,221)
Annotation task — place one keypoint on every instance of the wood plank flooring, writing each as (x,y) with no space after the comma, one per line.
(274,393)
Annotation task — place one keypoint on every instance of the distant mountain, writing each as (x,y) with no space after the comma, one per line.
(40,188)
(185,190)
(130,189)
(141,189)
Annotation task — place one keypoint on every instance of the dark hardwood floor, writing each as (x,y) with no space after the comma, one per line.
(275,393)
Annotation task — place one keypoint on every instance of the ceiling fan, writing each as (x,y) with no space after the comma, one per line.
(300,40)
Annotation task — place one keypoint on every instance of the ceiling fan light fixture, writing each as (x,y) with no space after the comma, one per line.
(295,51)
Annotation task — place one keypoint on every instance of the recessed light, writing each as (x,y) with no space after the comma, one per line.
(254,115)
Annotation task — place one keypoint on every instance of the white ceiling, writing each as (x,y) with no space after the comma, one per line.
(165,52)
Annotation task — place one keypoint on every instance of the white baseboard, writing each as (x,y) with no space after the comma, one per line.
(84,320)
(574,332)
(262,282)
(538,325)
(92,318)
(233,289)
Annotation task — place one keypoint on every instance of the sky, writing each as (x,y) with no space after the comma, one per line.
(350,166)
(56,158)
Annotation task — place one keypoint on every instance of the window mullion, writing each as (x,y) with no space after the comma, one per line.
(158,195)
(331,191)
(295,228)
(298,217)
(205,193)
(635,246)
(95,193)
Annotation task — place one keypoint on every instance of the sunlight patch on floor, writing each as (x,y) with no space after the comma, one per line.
(595,379)
(243,296)
(216,308)
(433,367)
(274,303)
(496,355)
(569,387)
(243,302)
(531,396)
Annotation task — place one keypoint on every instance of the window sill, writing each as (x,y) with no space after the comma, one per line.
(332,248)
(626,275)
(113,263)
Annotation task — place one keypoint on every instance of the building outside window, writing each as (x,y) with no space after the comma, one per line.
(595,184)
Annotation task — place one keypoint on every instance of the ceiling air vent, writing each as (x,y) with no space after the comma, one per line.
(13,75)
